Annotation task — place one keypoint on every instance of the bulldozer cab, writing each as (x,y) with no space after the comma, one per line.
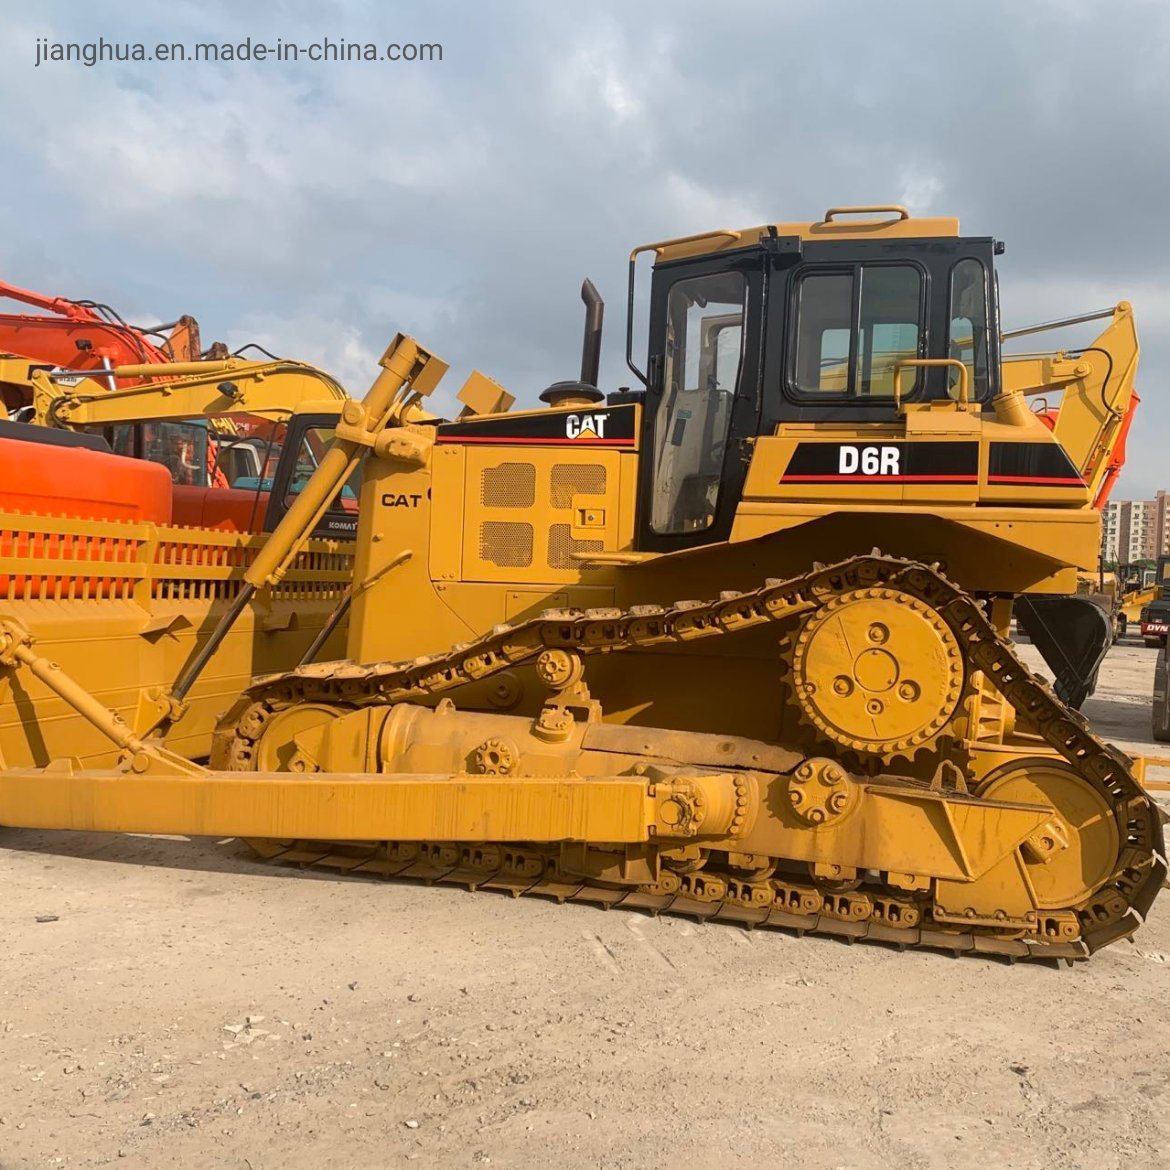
(789,329)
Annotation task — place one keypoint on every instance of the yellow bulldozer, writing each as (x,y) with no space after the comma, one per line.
(828,453)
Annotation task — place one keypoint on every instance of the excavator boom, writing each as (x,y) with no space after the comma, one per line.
(81,336)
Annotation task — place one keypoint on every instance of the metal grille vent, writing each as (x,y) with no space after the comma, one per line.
(508,485)
(575,479)
(561,546)
(505,544)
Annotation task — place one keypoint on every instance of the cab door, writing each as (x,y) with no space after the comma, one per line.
(703,398)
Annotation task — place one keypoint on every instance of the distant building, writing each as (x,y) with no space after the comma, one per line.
(1136,530)
(1161,524)
(1111,531)
(1141,530)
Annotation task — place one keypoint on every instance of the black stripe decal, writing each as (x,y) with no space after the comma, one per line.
(893,462)
(589,426)
(1039,464)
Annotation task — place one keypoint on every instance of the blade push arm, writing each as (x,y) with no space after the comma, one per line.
(409,373)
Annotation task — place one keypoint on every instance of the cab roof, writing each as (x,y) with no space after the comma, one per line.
(884,221)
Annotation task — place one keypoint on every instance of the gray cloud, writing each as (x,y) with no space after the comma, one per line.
(321,207)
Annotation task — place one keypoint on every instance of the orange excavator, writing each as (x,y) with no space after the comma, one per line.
(86,336)
(89,337)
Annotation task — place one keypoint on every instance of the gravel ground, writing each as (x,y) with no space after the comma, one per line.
(186,1006)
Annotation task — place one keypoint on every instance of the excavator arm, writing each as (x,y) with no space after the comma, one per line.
(1094,387)
(1087,394)
(82,335)
(184,390)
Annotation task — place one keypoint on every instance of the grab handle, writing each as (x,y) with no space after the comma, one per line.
(866,209)
(929,364)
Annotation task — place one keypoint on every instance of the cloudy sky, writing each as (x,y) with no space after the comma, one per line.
(320,207)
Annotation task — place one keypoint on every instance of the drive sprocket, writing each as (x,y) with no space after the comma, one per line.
(877,671)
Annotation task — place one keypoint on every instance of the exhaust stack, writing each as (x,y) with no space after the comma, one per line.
(591,346)
(583,392)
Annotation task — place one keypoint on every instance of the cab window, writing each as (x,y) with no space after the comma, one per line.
(853,327)
(315,441)
(181,447)
(703,358)
(967,334)
(824,333)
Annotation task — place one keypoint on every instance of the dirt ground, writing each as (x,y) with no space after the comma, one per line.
(188,1007)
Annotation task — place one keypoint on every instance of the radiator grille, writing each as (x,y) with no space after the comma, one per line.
(575,479)
(508,485)
(506,544)
(561,546)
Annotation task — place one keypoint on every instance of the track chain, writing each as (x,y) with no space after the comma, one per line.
(1113,912)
